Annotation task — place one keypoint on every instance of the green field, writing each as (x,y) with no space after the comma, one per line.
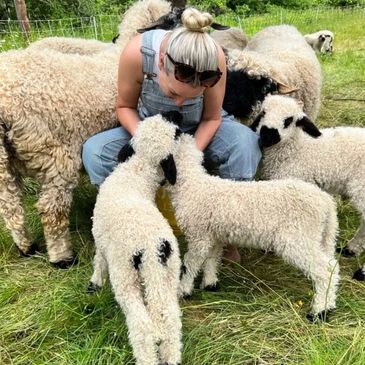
(258,317)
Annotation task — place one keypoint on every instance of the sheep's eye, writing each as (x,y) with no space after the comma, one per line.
(287,122)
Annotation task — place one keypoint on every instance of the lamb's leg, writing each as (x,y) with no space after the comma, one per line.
(169,311)
(198,251)
(357,244)
(54,206)
(141,332)
(100,273)
(210,277)
(322,268)
(11,206)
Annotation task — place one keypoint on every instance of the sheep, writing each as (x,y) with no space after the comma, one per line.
(277,59)
(332,158)
(70,45)
(295,219)
(232,38)
(50,103)
(321,41)
(136,245)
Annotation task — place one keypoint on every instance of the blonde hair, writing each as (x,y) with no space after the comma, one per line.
(191,44)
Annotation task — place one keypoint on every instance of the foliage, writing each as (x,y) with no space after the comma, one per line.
(55,9)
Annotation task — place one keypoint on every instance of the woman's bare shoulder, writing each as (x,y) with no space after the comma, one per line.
(131,58)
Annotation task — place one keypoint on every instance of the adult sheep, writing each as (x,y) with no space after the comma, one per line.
(70,45)
(276,59)
(321,41)
(50,103)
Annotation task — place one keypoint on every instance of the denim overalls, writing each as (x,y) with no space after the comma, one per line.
(234,147)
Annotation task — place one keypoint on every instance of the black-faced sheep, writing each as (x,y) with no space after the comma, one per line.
(332,158)
(136,245)
(321,41)
(275,59)
(293,218)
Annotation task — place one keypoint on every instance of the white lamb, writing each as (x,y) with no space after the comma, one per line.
(293,218)
(50,103)
(278,54)
(136,245)
(321,41)
(332,158)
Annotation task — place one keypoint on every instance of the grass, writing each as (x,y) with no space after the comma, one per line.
(258,317)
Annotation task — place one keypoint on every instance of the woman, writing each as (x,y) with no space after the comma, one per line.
(182,70)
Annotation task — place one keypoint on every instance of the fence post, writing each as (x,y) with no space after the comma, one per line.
(95,28)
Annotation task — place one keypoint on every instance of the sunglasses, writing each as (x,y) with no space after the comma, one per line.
(187,74)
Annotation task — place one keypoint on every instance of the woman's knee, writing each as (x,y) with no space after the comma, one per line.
(99,154)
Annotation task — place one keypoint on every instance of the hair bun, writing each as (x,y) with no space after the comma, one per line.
(196,21)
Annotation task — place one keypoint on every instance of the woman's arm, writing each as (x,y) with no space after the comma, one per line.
(130,78)
(213,100)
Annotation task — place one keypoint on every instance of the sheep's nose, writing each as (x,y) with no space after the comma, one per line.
(269,136)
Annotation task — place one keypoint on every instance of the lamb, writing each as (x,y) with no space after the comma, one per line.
(332,158)
(232,38)
(136,245)
(277,59)
(50,103)
(70,45)
(321,41)
(295,219)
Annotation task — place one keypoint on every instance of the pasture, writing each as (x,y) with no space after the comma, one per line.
(258,316)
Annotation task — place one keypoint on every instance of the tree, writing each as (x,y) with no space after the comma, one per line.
(21,13)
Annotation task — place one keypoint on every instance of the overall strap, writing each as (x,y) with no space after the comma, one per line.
(148,55)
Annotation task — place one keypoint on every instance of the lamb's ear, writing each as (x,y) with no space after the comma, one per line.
(125,152)
(169,169)
(286,89)
(257,121)
(308,126)
(218,26)
(282,85)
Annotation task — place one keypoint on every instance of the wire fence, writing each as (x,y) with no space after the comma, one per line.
(105,27)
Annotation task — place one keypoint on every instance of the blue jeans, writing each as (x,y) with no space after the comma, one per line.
(234,148)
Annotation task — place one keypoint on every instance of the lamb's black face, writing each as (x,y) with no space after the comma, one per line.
(269,136)
(243,92)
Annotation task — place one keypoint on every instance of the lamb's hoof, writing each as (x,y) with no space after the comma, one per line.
(345,251)
(65,264)
(186,296)
(214,287)
(33,248)
(359,275)
(93,288)
(319,317)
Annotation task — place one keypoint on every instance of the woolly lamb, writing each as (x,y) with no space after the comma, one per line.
(50,103)
(276,59)
(321,41)
(136,245)
(232,38)
(332,158)
(70,45)
(295,219)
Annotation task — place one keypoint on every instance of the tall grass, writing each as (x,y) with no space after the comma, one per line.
(258,317)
